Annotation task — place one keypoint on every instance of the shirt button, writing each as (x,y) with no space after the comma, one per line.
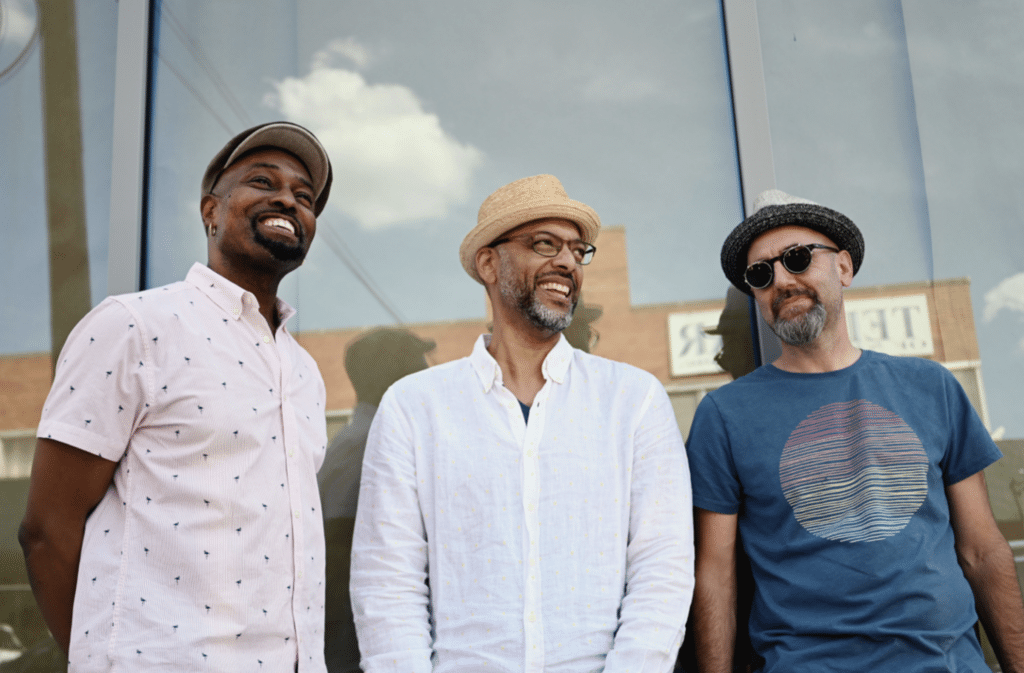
(236,311)
(532,617)
(266,339)
(531,507)
(296,514)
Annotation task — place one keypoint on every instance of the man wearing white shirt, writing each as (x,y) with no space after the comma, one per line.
(173,518)
(526,508)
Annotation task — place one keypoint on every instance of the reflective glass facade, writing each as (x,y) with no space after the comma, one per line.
(901,115)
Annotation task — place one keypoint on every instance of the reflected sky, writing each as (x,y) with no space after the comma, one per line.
(426,108)
(22,187)
(905,117)
(904,120)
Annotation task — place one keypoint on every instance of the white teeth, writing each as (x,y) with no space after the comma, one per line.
(557,287)
(280,224)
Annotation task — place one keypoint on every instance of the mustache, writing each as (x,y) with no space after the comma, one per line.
(795,292)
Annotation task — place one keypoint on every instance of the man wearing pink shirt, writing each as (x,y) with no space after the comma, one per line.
(173,518)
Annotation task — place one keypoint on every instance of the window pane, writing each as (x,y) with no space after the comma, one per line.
(423,124)
(25,340)
(901,115)
(425,109)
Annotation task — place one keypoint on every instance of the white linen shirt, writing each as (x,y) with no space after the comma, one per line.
(483,542)
(206,552)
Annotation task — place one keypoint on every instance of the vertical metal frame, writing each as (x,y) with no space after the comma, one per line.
(753,133)
(749,100)
(127,201)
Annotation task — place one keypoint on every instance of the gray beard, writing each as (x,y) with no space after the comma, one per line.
(803,329)
(537,313)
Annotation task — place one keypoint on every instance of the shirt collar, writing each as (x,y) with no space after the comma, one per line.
(554,367)
(228,296)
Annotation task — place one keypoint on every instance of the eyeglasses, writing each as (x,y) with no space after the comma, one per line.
(547,245)
(797,259)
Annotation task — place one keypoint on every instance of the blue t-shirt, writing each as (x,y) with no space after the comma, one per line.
(839,482)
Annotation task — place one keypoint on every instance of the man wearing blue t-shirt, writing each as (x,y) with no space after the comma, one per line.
(853,479)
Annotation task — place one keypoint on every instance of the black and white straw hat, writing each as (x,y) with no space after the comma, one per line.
(774,208)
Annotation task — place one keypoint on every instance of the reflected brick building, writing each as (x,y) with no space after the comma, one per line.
(678,342)
(672,341)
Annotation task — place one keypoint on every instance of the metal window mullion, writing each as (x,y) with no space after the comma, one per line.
(127,182)
(753,132)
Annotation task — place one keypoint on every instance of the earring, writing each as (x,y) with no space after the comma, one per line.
(213,230)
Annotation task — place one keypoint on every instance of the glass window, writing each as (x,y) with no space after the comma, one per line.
(425,109)
(901,115)
(25,340)
(22,185)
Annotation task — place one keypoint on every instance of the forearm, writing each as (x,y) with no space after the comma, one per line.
(66,485)
(714,621)
(390,610)
(714,599)
(660,554)
(997,597)
(388,584)
(652,618)
(988,565)
(52,564)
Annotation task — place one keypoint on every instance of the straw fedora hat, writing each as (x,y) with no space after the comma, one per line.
(519,202)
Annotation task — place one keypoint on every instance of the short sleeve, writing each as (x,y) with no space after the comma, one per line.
(971,448)
(99,393)
(716,485)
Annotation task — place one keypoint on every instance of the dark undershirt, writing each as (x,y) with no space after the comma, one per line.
(526,411)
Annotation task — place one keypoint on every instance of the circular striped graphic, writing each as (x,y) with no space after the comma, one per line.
(854,472)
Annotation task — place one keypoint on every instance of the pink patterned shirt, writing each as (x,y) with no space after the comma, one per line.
(207,551)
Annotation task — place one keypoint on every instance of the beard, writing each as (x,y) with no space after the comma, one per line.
(519,295)
(802,329)
(282,251)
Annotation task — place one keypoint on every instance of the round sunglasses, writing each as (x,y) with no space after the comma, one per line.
(797,259)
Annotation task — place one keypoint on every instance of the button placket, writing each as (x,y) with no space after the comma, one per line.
(533,615)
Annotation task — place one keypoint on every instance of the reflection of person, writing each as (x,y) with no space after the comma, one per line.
(373,362)
(854,480)
(737,354)
(580,333)
(173,518)
(526,507)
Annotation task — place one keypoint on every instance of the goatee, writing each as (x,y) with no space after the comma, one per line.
(539,315)
(802,329)
(282,251)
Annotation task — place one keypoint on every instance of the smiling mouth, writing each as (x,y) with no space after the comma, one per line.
(559,288)
(279,223)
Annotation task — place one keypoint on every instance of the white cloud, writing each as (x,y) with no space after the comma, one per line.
(392,161)
(1009,295)
(18,21)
